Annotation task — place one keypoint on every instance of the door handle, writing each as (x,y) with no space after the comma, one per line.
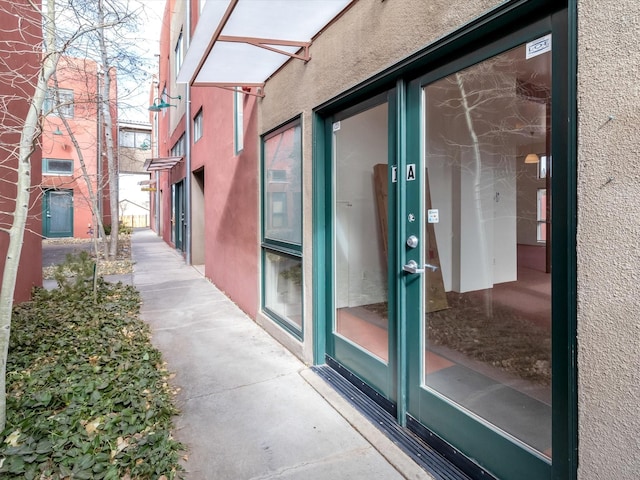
(412,267)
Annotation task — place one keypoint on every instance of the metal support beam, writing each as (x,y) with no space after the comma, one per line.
(267,43)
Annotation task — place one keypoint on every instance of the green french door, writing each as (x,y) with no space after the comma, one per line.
(477,296)
(361,331)
(450,250)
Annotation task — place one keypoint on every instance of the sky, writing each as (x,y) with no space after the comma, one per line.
(147,39)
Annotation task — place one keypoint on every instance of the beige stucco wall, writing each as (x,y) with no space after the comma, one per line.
(609,239)
(362,42)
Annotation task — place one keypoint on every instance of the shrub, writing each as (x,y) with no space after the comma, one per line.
(87,394)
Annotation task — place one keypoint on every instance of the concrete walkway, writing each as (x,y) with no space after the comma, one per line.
(249,408)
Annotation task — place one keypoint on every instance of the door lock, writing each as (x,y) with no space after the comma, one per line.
(412,241)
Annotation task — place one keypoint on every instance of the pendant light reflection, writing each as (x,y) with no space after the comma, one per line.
(532,158)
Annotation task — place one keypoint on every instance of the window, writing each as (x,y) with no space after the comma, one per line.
(58,102)
(56,166)
(282,226)
(178,149)
(238,120)
(179,53)
(135,139)
(197,126)
(542,215)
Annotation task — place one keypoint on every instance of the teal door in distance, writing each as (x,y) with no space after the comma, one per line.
(57,213)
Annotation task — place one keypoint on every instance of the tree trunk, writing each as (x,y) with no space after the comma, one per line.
(108,136)
(28,138)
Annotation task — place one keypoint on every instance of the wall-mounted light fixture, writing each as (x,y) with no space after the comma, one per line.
(57,131)
(159,103)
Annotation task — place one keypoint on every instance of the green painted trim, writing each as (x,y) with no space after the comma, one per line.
(372,370)
(397,132)
(321,245)
(564,261)
(286,325)
(292,250)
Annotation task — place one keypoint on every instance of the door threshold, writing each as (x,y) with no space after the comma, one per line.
(425,456)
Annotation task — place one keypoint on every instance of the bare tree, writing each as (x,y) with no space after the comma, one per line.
(28,139)
(46,31)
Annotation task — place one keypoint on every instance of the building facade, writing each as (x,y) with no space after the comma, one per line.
(74,160)
(134,146)
(19,40)
(420,198)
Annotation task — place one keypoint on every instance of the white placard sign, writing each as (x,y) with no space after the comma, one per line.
(539,46)
(433,216)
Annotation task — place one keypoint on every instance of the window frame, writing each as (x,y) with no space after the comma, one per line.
(197,126)
(291,250)
(62,99)
(47,171)
(178,52)
(178,149)
(139,138)
(238,121)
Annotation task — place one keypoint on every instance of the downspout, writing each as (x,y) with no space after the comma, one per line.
(187,138)
(155,149)
(156,176)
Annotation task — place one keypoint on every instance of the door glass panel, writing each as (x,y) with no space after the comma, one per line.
(360,234)
(488,313)
(60,213)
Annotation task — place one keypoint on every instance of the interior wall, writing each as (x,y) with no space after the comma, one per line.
(360,262)
(527,184)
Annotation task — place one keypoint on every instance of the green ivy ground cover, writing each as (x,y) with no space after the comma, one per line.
(87,393)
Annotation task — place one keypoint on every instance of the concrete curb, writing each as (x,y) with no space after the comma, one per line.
(378,440)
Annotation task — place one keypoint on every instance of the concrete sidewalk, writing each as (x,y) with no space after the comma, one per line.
(249,408)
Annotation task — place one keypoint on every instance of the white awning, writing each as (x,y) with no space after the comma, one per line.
(160,163)
(243,42)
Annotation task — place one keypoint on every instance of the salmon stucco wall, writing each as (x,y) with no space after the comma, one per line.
(230,195)
(360,43)
(608,240)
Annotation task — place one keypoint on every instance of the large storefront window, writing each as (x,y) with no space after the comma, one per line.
(282,226)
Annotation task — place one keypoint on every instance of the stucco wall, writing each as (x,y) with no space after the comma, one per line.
(608,239)
(230,196)
(19,27)
(363,41)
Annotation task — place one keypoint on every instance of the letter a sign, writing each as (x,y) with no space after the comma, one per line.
(411,172)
